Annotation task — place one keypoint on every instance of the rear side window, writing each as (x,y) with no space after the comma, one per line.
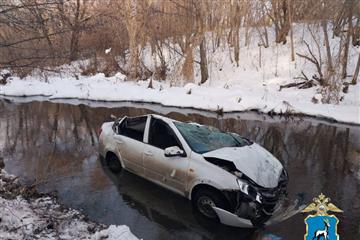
(161,135)
(133,127)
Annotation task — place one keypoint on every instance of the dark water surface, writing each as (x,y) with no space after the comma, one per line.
(55,146)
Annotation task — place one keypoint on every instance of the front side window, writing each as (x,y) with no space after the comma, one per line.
(203,139)
(133,127)
(161,135)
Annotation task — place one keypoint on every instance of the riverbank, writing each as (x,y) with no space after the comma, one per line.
(263,97)
(28,214)
(265,80)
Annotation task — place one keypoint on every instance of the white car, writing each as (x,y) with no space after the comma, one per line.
(227,177)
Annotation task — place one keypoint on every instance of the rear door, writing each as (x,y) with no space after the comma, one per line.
(130,142)
(170,172)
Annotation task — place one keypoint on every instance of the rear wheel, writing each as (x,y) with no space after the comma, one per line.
(113,163)
(205,199)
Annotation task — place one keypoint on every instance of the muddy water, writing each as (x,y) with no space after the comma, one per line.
(54,145)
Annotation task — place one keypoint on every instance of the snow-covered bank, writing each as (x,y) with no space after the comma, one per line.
(263,96)
(25,214)
(254,84)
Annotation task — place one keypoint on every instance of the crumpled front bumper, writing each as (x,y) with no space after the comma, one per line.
(283,211)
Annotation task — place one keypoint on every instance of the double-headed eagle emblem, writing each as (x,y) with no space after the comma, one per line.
(321,205)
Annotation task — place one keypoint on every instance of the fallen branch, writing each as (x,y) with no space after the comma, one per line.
(300,85)
(312,58)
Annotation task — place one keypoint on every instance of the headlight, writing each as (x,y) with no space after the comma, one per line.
(249,190)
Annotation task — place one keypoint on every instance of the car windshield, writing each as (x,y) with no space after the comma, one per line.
(202,139)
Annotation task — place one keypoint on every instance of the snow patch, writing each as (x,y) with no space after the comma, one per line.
(114,233)
(237,98)
(107,51)
(44,218)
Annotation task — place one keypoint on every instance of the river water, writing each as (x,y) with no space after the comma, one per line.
(54,145)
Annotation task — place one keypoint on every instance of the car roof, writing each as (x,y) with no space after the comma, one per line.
(165,119)
(170,120)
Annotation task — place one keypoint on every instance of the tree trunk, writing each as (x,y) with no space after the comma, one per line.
(356,73)
(45,31)
(236,23)
(266,37)
(356,33)
(75,33)
(347,41)
(236,46)
(291,32)
(203,61)
(133,59)
(327,45)
(281,20)
(74,44)
(247,34)
(260,56)
(188,66)
(132,25)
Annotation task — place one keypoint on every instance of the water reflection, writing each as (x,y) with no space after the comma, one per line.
(54,146)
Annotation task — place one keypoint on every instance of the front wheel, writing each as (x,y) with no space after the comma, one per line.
(113,163)
(205,199)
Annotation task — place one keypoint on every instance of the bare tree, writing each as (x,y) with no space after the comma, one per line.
(344,23)
(75,15)
(280,17)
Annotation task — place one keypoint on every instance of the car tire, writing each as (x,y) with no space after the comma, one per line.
(204,199)
(113,163)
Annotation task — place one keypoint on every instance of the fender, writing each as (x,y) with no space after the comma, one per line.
(118,155)
(208,182)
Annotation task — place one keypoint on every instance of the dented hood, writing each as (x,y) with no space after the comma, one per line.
(254,161)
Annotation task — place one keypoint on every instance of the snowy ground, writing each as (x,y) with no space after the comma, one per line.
(25,214)
(242,97)
(253,85)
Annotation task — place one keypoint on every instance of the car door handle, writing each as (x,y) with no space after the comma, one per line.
(148,153)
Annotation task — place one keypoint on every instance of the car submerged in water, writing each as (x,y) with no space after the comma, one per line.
(227,177)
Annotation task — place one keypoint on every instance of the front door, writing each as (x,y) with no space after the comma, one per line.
(169,172)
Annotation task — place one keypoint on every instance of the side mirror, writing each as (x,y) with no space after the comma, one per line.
(174,151)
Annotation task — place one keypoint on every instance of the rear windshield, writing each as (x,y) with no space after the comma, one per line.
(202,139)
